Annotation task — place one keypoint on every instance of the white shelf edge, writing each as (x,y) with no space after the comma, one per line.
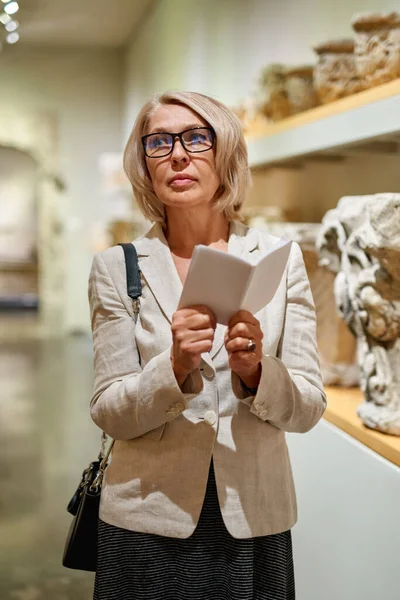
(359,124)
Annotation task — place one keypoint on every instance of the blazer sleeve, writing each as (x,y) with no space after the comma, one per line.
(290,394)
(128,401)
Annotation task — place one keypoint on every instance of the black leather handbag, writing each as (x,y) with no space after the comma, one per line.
(80,551)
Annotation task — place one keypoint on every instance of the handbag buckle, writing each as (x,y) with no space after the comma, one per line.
(97,481)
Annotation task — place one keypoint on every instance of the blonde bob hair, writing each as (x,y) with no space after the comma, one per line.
(230,155)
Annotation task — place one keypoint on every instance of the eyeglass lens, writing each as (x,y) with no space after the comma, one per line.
(193,140)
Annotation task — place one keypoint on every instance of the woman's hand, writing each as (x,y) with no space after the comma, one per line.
(193,331)
(242,328)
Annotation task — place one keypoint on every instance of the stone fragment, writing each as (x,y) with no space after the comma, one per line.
(335,74)
(359,242)
(377,47)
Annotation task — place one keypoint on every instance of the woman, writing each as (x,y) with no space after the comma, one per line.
(198,500)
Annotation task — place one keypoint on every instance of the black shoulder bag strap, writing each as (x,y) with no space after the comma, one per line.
(80,551)
(133,282)
(134,289)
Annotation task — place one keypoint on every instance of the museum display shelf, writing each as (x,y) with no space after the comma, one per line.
(371,115)
(341,411)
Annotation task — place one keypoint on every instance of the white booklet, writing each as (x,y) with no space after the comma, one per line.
(226,283)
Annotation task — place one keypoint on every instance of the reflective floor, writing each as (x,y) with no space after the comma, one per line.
(46,439)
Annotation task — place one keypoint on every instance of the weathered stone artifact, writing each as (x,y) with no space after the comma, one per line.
(275,103)
(377,47)
(299,85)
(335,75)
(286,91)
(360,242)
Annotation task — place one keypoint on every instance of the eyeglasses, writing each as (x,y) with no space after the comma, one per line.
(198,139)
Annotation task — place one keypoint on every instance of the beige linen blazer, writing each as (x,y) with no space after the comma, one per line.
(165,436)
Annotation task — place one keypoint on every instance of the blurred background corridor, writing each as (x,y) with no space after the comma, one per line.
(73,76)
(46,438)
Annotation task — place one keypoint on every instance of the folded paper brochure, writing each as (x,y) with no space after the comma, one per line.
(226,283)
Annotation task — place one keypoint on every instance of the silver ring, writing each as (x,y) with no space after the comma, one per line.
(251,346)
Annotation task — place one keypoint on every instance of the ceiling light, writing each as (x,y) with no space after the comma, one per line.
(11,8)
(12,38)
(12,26)
(4,18)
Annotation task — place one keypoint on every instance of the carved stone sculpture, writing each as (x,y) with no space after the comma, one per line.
(286,91)
(299,85)
(275,102)
(360,242)
(377,47)
(335,75)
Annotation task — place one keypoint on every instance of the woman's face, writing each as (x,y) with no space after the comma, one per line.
(181,179)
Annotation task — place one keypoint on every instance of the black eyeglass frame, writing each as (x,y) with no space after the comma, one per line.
(178,135)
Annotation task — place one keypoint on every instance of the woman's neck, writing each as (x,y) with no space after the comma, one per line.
(186,232)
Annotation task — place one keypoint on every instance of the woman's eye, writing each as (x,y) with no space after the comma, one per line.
(158,141)
(196,138)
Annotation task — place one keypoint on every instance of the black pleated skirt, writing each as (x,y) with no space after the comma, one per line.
(209,565)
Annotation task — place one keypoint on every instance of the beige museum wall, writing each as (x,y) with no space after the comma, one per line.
(82,88)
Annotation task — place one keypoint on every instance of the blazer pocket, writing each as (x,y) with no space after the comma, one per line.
(154,434)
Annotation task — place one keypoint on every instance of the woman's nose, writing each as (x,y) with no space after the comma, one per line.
(179,153)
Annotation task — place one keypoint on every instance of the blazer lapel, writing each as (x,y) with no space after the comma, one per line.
(242,242)
(159,271)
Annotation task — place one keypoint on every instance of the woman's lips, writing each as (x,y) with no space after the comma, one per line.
(181,182)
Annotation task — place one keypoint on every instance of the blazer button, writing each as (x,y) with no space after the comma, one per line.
(208,371)
(210,417)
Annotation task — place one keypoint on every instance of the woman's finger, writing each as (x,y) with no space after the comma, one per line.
(243,316)
(247,330)
(196,348)
(239,344)
(191,335)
